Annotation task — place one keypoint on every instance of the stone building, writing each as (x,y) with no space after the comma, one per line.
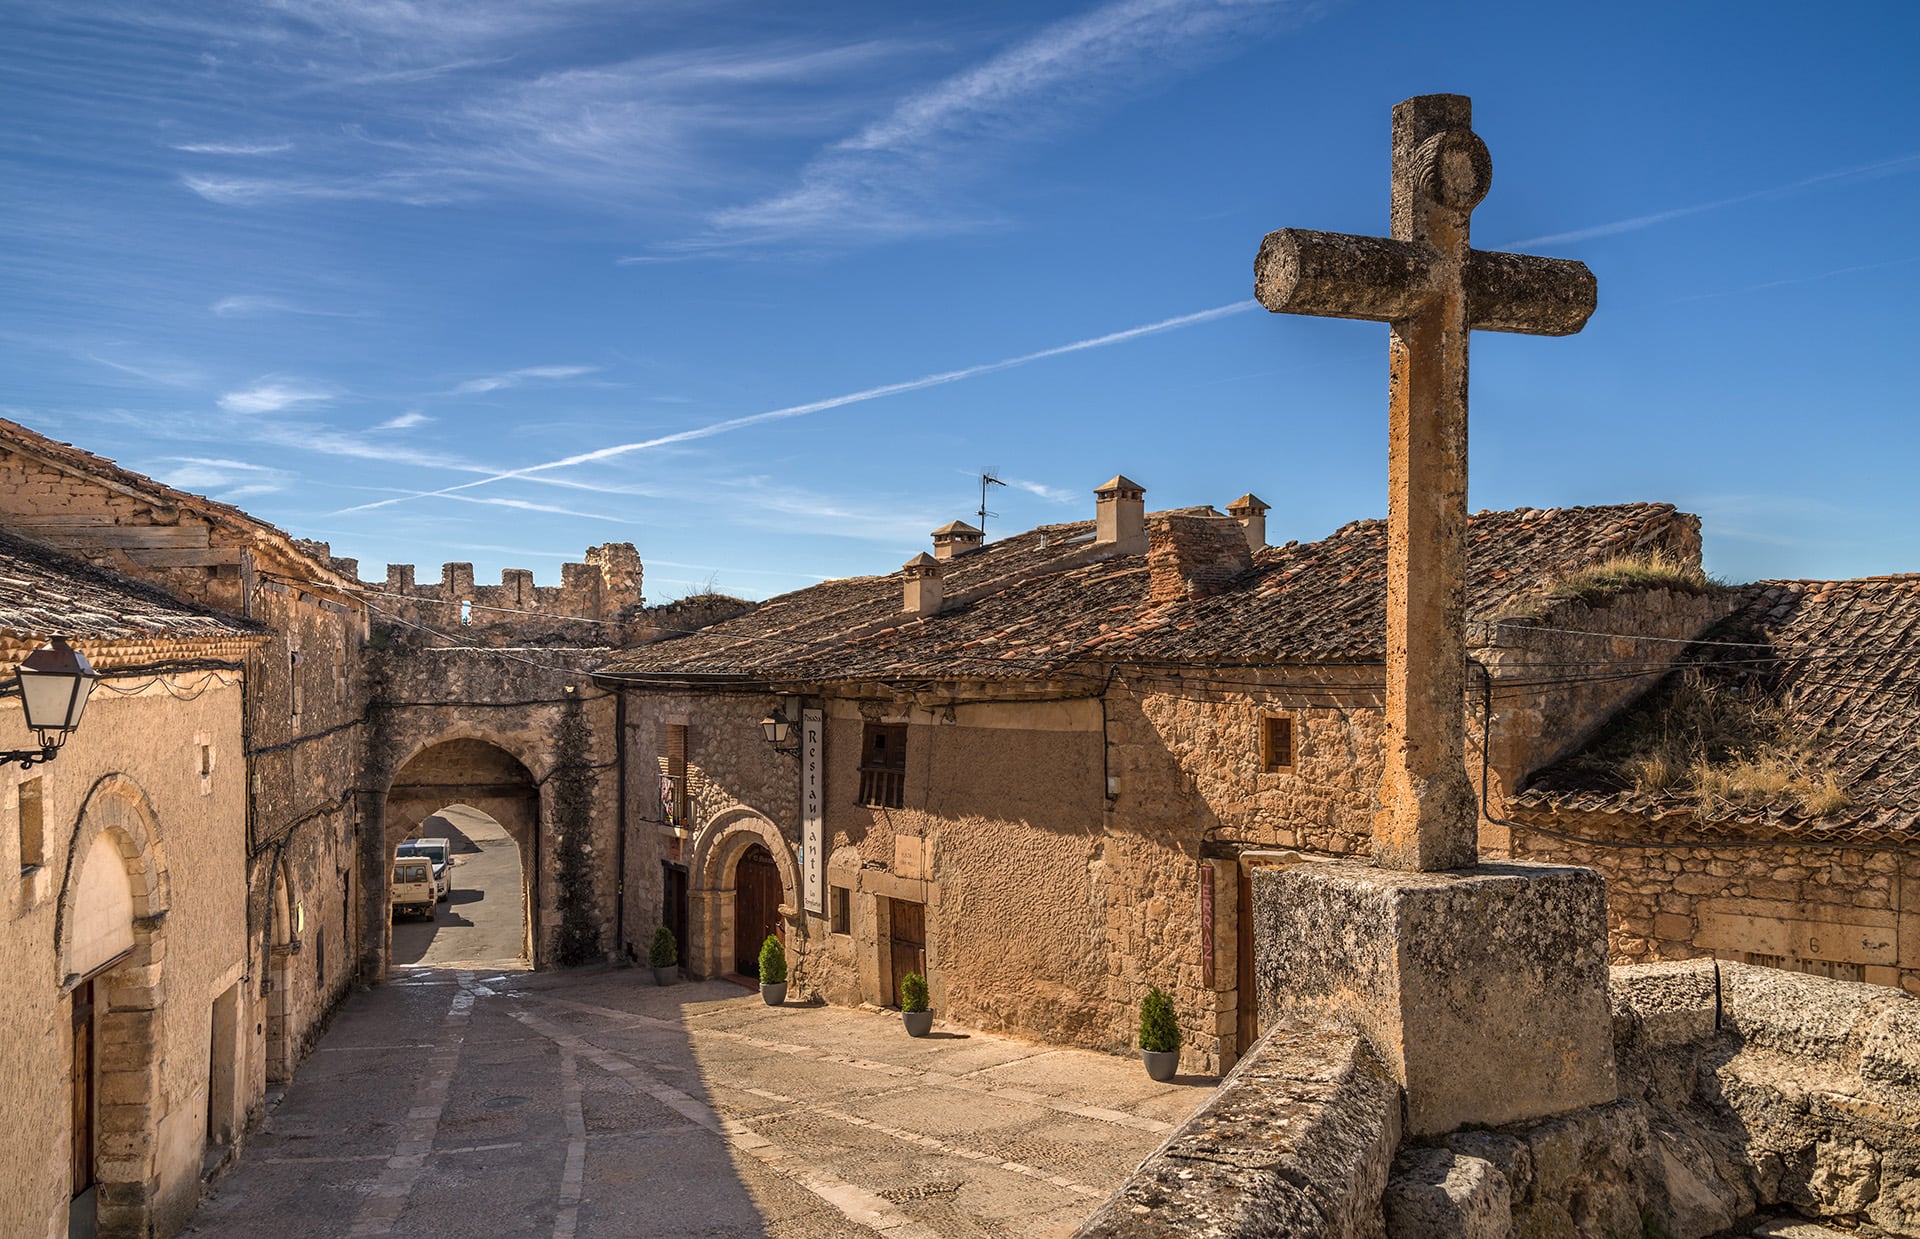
(131,1004)
(1049,764)
(303,700)
(1762,803)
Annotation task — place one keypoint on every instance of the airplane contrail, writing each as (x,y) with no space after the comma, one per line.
(832,402)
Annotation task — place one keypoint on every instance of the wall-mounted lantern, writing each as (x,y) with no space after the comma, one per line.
(778,729)
(55,682)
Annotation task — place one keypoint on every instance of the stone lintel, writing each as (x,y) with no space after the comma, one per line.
(1483,990)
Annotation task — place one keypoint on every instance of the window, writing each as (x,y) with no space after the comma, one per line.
(1276,742)
(675,800)
(840,909)
(293,679)
(32,832)
(883,765)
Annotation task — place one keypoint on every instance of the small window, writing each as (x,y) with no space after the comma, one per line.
(206,761)
(33,847)
(840,909)
(883,765)
(293,678)
(1276,742)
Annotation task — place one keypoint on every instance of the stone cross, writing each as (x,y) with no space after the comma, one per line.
(1433,289)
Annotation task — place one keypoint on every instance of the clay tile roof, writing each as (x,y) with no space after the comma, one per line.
(1040,602)
(1841,660)
(920,560)
(44,593)
(956,527)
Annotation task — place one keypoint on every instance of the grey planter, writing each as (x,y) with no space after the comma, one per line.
(1161,1064)
(775,995)
(919,1023)
(664,974)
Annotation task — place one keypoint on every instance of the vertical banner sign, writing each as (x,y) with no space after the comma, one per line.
(1206,924)
(812,802)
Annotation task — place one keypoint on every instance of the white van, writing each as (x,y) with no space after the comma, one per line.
(440,852)
(413,886)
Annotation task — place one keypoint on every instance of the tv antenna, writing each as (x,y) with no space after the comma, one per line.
(986,479)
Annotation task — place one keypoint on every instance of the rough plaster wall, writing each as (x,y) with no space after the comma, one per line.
(1845,905)
(149,739)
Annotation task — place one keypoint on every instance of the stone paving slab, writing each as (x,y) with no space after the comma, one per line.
(593,1103)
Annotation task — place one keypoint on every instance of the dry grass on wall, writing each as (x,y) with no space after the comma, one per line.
(1598,583)
(1722,745)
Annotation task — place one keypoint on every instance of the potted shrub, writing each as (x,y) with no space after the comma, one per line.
(663,956)
(1159,1035)
(773,971)
(913,1005)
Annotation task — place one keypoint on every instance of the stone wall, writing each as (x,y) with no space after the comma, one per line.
(443,725)
(1745,1093)
(597,602)
(1851,913)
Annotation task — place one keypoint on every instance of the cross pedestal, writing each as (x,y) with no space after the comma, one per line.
(1483,986)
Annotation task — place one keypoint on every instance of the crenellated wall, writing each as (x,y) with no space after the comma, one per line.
(598,603)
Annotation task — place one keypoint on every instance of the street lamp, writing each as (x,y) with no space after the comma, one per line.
(55,681)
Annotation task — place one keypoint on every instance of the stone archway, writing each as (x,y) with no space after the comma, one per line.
(477,773)
(718,849)
(109,939)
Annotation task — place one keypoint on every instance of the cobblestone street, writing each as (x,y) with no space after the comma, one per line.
(593,1103)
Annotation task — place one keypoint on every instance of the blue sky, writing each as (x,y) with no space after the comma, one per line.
(762,287)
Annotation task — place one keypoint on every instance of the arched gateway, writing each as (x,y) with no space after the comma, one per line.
(471,772)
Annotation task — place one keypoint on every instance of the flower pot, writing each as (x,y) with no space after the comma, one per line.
(919,1023)
(1161,1064)
(664,974)
(774,994)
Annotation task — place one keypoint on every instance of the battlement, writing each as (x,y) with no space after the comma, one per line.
(598,602)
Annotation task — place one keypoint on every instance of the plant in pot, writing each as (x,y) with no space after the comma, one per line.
(663,956)
(773,971)
(1159,1035)
(913,1005)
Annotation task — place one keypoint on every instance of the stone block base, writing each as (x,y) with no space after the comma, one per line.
(1483,990)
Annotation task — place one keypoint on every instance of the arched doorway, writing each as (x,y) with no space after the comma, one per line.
(484,918)
(485,801)
(110,939)
(757,896)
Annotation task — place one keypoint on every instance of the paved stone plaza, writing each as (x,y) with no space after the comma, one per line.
(593,1103)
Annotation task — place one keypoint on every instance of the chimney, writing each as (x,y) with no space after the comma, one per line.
(925,590)
(955,538)
(1251,512)
(1194,556)
(1120,515)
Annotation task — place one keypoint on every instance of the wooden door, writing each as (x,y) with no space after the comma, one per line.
(906,941)
(81,1152)
(756,908)
(1247,1029)
(673,913)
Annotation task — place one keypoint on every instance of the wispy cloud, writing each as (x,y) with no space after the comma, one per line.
(1052,494)
(249,305)
(272,397)
(234,148)
(167,374)
(1866,171)
(896,177)
(835,402)
(514,378)
(1802,279)
(222,477)
(406,421)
